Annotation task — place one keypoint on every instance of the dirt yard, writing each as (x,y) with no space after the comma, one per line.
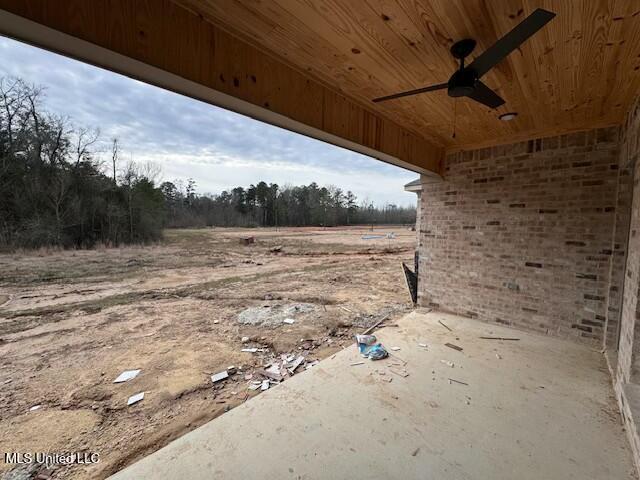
(72,321)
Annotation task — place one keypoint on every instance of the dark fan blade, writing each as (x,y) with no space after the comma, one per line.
(439,86)
(512,40)
(486,96)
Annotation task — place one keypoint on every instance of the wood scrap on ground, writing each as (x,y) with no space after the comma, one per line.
(368,330)
(457,381)
(499,338)
(402,373)
(445,326)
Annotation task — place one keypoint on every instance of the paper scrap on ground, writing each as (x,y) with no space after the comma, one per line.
(135,398)
(289,321)
(126,376)
(216,377)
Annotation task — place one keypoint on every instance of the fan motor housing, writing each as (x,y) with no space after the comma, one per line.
(462,83)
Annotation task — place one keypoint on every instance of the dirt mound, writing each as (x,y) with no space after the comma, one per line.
(271,315)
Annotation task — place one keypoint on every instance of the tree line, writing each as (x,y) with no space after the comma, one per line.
(268,205)
(54,189)
(60,186)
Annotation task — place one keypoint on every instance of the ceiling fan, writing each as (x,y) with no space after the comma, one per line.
(465,82)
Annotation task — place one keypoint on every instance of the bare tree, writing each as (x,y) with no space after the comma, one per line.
(33,94)
(114,157)
(150,170)
(12,96)
(85,138)
(129,177)
(55,142)
(56,195)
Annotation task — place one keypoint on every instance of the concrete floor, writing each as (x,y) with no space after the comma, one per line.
(543,410)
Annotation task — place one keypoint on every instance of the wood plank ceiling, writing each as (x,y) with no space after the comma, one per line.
(581,71)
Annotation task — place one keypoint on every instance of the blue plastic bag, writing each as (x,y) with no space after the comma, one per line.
(377,352)
(369,348)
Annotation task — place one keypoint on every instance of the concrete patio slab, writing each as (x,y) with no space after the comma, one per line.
(537,408)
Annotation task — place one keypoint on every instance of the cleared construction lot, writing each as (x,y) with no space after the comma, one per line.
(72,321)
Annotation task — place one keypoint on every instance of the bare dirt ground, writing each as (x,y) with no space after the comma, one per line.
(72,321)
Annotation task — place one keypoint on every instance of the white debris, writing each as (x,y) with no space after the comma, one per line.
(296,364)
(265,385)
(272,315)
(498,356)
(126,376)
(395,349)
(254,387)
(357,363)
(250,350)
(135,398)
(423,345)
(216,377)
(448,363)
(34,408)
(289,321)
(245,339)
(274,368)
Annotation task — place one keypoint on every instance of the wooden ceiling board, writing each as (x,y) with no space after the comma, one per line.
(582,70)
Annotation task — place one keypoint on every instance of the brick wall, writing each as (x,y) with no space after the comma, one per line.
(523,234)
(619,258)
(629,153)
(626,360)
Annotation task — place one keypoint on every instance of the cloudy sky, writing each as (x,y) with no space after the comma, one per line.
(191,139)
